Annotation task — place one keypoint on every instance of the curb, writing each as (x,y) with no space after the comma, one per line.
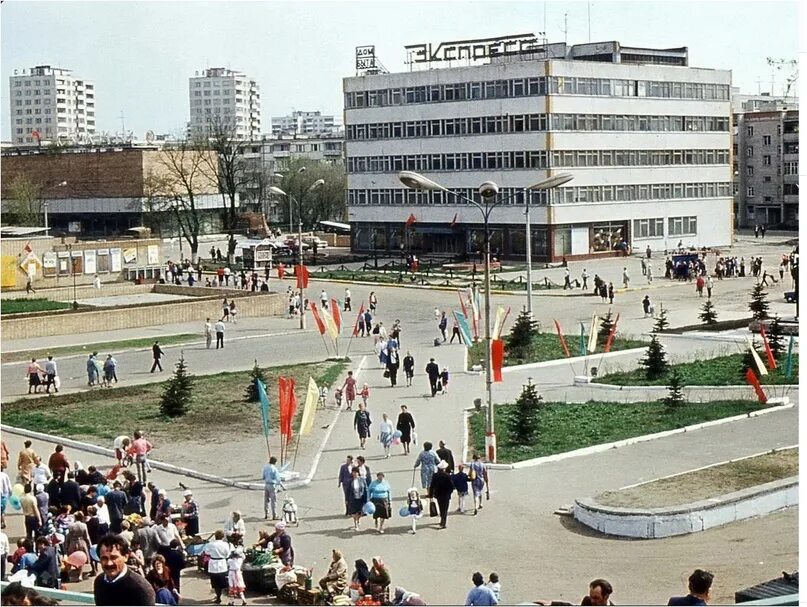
(631,441)
(573,359)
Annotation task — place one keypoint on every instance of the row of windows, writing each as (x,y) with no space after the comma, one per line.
(46,81)
(524,87)
(597,193)
(533,159)
(654,227)
(35,111)
(520,123)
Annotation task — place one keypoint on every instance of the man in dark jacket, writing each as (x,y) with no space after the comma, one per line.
(345,477)
(175,560)
(433,371)
(440,490)
(445,454)
(70,493)
(116,503)
(46,567)
(119,585)
(156,354)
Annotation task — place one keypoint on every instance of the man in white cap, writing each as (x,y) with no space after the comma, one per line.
(441,489)
(281,544)
(190,514)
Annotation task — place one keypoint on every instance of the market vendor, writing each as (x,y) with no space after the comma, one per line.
(281,544)
(335,581)
(235,529)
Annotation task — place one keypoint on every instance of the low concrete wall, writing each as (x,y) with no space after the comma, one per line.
(145,315)
(655,523)
(197,291)
(82,291)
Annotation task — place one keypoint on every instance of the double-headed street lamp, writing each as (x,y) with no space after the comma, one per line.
(489,192)
(276,190)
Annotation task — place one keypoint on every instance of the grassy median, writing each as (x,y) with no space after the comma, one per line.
(109,347)
(25,306)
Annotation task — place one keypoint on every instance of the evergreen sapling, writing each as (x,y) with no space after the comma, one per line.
(708,313)
(655,360)
(759,305)
(178,392)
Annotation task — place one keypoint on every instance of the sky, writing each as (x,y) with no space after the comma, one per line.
(141,54)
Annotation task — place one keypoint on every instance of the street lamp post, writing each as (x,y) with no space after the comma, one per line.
(489,192)
(73,272)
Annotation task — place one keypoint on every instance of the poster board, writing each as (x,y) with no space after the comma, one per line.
(114,260)
(89,262)
(130,255)
(49,261)
(153,254)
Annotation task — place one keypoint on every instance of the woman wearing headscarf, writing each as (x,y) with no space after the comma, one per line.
(357,497)
(379,577)
(441,489)
(427,462)
(360,580)
(404,597)
(77,538)
(335,581)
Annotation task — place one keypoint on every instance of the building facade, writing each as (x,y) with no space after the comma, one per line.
(220,97)
(645,136)
(766,162)
(314,124)
(50,104)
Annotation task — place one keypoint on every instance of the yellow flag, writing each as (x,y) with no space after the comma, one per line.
(592,336)
(757,360)
(311,399)
(497,324)
(330,325)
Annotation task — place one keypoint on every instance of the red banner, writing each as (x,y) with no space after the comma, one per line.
(317,318)
(562,339)
(302,276)
(611,335)
(768,351)
(752,379)
(497,356)
(358,318)
(410,220)
(337,315)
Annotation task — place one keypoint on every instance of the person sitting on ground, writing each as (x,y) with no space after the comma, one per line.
(335,581)
(379,577)
(700,585)
(404,597)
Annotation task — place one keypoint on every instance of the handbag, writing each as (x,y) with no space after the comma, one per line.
(415,438)
(472,475)
(386,373)
(433,508)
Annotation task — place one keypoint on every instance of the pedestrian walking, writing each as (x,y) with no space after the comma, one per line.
(433,371)
(406,426)
(29,285)
(92,371)
(610,293)
(347,301)
(409,367)
(478,475)
(649,274)
(414,506)
(323,299)
(461,481)
(156,354)
(567,279)
(455,332)
(361,424)
(393,362)
(358,496)
(385,431)
(208,333)
(440,491)
(756,231)
(349,389)
(235,578)
(225,310)
(380,494)
(443,325)
(373,301)
(648,252)
(762,229)
(233,312)
(646,306)
(444,380)
(584,278)
(709,286)
(625,278)
(33,372)
(699,284)
(644,268)
(110,370)
(343,481)
(219,327)
(368,322)
(51,375)
(427,462)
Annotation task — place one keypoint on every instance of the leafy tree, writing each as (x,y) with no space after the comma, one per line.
(675,397)
(177,396)
(776,339)
(24,203)
(321,204)
(523,427)
(655,360)
(521,335)
(708,313)
(759,305)
(606,324)
(252,388)
(661,320)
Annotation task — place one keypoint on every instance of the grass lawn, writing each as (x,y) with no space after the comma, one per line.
(105,347)
(707,483)
(565,427)
(720,371)
(22,306)
(219,407)
(546,346)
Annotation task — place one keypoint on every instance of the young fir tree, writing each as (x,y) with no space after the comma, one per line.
(708,313)
(523,426)
(178,393)
(759,302)
(776,339)
(252,388)
(655,361)
(675,397)
(606,324)
(661,320)
(521,336)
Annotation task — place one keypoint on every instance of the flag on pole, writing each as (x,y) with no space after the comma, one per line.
(497,358)
(264,401)
(301,272)
(475,307)
(768,351)
(358,318)
(330,324)
(317,318)
(337,315)
(461,294)
(562,339)
(757,360)
(310,407)
(751,377)
(611,335)
(498,324)
(789,363)
(465,330)
(288,405)
(592,336)
(582,339)
(410,220)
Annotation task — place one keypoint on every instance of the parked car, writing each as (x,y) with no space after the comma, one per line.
(791,296)
(310,240)
(293,244)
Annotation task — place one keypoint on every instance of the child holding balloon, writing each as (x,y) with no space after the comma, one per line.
(413,508)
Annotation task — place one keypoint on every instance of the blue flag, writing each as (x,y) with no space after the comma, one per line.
(582,340)
(465,330)
(264,406)
(789,364)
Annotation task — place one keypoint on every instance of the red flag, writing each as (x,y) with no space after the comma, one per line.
(358,318)
(288,405)
(752,379)
(454,221)
(317,318)
(337,315)
(562,339)
(497,357)
(611,335)
(768,351)
(302,276)
(28,248)
(410,220)
(282,402)
(292,409)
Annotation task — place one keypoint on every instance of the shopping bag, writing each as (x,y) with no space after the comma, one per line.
(57,382)
(433,508)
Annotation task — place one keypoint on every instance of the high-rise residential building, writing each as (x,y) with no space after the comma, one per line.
(220,97)
(304,123)
(50,103)
(645,136)
(766,166)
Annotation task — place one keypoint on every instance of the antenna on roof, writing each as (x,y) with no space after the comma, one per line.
(565,27)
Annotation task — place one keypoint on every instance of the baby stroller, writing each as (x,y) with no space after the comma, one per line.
(290,511)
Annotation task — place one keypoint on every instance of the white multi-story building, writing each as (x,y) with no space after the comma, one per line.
(304,123)
(223,97)
(50,103)
(645,136)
